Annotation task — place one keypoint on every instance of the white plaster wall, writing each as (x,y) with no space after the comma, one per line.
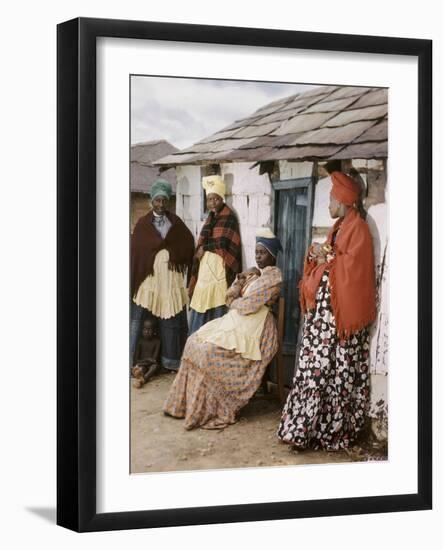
(321,217)
(294,170)
(189,197)
(377,221)
(250,198)
(379,405)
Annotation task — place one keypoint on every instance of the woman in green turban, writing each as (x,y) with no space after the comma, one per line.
(162,249)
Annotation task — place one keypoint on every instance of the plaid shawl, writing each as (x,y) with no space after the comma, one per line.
(220,234)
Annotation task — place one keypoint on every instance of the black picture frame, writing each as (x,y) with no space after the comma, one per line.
(76,264)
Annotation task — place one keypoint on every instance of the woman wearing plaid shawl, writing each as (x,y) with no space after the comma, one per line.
(217,260)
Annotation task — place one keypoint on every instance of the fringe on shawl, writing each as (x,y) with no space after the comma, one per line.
(343,332)
(308,304)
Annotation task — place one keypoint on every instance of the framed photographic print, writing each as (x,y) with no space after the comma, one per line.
(244,274)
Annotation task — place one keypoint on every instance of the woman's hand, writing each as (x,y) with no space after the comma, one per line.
(199,253)
(229,299)
(316,250)
(319,253)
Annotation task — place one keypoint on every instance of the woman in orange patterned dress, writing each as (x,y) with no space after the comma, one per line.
(223,362)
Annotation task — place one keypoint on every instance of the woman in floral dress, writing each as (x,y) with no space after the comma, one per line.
(328,404)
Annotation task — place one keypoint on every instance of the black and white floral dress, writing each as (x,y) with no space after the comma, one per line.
(328,404)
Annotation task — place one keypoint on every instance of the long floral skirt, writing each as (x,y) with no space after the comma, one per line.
(328,404)
(213,383)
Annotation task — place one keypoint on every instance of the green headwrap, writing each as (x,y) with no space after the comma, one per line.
(161,188)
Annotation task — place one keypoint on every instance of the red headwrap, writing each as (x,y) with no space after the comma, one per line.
(344,189)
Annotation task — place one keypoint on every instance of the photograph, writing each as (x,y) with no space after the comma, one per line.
(259,274)
(237,264)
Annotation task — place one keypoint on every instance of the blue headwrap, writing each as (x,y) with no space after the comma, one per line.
(266,238)
(161,188)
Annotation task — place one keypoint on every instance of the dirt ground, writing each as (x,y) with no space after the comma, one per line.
(160,443)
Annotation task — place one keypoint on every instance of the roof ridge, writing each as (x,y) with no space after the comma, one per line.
(152,142)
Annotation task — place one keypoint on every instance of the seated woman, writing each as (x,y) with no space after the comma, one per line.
(224,361)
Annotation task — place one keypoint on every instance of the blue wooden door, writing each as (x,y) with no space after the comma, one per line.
(293,207)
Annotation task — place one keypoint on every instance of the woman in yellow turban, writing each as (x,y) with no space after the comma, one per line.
(217,260)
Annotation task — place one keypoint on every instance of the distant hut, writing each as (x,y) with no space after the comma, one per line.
(273,164)
(144,173)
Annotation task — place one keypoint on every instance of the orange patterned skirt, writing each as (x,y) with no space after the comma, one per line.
(213,383)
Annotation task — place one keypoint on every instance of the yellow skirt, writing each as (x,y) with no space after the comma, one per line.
(211,287)
(162,293)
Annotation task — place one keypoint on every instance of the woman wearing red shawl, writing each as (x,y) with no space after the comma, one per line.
(162,248)
(218,257)
(327,406)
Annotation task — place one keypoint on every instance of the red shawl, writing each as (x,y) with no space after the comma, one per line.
(146,242)
(351,276)
(220,234)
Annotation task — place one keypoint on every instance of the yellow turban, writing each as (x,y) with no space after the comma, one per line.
(214,184)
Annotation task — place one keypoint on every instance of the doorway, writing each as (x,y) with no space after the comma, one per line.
(293,218)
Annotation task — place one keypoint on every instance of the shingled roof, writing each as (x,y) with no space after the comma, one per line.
(327,122)
(143,172)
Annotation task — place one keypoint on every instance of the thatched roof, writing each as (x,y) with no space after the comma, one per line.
(143,172)
(328,122)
